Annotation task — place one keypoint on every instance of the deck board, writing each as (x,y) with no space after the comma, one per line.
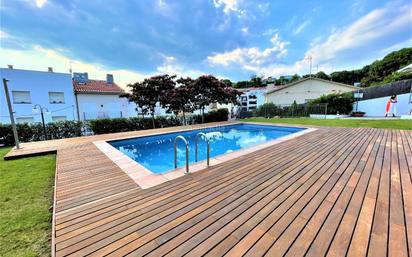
(331,192)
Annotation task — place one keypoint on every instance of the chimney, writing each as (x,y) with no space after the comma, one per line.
(50,69)
(10,66)
(109,79)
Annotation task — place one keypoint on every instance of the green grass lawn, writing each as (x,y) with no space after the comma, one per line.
(26,194)
(391,124)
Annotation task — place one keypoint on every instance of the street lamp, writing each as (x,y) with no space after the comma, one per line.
(43,110)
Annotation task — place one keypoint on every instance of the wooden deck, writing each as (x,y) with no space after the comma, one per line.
(335,192)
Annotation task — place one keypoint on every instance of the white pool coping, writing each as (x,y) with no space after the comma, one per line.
(144,178)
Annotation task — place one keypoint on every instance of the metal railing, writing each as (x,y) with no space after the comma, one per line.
(187,152)
(201,134)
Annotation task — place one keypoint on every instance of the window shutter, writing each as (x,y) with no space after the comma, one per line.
(21,97)
(56,97)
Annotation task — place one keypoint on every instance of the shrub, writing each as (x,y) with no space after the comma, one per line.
(103,126)
(34,132)
(337,103)
(213,116)
(267,110)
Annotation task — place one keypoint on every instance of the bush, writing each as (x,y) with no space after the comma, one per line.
(267,110)
(213,116)
(337,103)
(34,132)
(103,126)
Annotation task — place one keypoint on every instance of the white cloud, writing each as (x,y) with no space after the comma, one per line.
(330,53)
(227,5)
(40,3)
(301,27)
(172,67)
(376,24)
(39,58)
(252,59)
(245,30)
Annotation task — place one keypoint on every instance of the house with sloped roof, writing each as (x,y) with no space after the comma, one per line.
(305,90)
(97,99)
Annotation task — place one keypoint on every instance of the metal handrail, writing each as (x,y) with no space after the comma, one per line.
(207,145)
(187,152)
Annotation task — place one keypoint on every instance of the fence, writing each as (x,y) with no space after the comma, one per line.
(101,115)
(397,88)
(285,111)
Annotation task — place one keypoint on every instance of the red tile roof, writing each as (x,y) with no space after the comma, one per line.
(97,86)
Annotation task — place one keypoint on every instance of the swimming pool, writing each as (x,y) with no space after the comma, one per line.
(156,153)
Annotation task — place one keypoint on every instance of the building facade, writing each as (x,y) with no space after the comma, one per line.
(252,98)
(98,99)
(31,90)
(305,90)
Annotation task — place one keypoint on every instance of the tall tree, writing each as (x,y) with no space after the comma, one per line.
(181,97)
(208,90)
(151,92)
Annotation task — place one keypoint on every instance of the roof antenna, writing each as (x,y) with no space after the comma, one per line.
(70,70)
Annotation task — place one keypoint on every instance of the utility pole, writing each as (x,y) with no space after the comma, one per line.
(310,69)
(13,124)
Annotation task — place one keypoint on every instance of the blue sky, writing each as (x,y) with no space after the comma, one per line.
(228,38)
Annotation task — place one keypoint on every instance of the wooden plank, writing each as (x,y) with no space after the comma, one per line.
(247,168)
(317,212)
(397,231)
(312,185)
(378,243)
(361,234)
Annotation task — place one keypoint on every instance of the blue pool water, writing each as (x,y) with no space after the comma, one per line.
(156,152)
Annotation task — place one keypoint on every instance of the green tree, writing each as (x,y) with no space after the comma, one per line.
(151,92)
(181,98)
(207,90)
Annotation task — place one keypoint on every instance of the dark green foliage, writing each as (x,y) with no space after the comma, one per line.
(267,110)
(378,71)
(103,126)
(213,116)
(34,131)
(337,103)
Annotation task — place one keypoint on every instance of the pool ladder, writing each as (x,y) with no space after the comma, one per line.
(187,149)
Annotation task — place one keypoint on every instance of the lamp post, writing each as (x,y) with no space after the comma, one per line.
(38,107)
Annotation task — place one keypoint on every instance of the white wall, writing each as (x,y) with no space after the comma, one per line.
(260,99)
(376,107)
(39,84)
(304,91)
(94,106)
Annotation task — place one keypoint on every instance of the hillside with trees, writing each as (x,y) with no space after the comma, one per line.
(379,72)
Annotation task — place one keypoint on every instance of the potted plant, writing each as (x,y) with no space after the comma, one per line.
(358,114)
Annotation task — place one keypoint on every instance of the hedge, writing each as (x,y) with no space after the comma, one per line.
(103,126)
(213,116)
(34,131)
(66,129)
(337,103)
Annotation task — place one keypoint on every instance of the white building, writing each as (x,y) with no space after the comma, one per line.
(252,97)
(304,90)
(51,90)
(96,99)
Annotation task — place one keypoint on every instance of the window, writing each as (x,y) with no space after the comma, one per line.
(21,97)
(56,97)
(244,98)
(252,102)
(21,120)
(252,108)
(58,118)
